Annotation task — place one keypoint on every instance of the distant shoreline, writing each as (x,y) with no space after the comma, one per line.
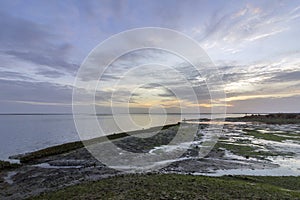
(107,114)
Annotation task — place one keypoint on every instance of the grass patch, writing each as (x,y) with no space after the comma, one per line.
(59,149)
(289,136)
(242,141)
(7,165)
(265,136)
(278,137)
(175,186)
(285,182)
(248,151)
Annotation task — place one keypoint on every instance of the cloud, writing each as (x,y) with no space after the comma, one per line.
(50,73)
(108,77)
(259,105)
(151,86)
(42,103)
(104,11)
(231,31)
(264,35)
(263,80)
(33,42)
(45,58)
(263,96)
(34,92)
(166,95)
(7,75)
(21,33)
(286,76)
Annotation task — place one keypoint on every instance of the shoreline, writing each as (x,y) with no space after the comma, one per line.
(274,118)
(254,118)
(69,146)
(57,167)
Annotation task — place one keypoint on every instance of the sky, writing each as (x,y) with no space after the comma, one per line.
(254,44)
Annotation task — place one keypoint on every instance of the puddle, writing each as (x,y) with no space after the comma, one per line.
(48,166)
(213,122)
(9,176)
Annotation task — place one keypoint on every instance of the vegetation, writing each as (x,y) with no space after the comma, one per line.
(241,150)
(264,136)
(278,118)
(249,150)
(278,137)
(285,182)
(54,150)
(7,165)
(175,186)
(67,147)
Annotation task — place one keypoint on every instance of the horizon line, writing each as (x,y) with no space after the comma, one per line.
(99,114)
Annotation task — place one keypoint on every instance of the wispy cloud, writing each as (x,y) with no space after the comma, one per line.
(42,103)
(232,31)
(263,96)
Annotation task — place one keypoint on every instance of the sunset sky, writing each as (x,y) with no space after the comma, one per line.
(255,45)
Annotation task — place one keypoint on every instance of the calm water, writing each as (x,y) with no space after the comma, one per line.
(25,133)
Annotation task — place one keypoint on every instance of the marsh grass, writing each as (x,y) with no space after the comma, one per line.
(247,150)
(175,186)
(278,137)
(7,165)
